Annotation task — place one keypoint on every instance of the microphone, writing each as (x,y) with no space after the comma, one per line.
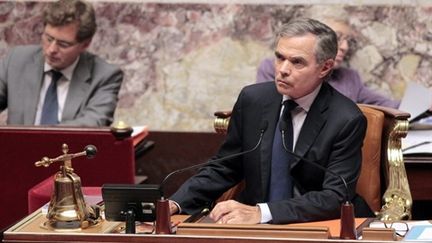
(162,206)
(263,128)
(348,230)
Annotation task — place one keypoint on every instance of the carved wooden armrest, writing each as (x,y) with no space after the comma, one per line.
(397,200)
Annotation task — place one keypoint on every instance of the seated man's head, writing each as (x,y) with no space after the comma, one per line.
(305,52)
(346,41)
(69,26)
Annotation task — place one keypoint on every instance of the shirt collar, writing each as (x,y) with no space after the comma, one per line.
(67,72)
(306,101)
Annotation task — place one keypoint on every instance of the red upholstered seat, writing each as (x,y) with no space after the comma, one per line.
(40,194)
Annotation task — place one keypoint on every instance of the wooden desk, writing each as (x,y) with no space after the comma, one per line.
(420,179)
(29,230)
(419,175)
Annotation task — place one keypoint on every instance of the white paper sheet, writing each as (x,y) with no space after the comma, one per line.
(416,100)
(417,142)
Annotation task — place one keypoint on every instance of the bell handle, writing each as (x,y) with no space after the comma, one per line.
(89,151)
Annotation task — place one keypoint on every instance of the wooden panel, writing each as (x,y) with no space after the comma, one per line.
(420,180)
(29,230)
(264,230)
(176,150)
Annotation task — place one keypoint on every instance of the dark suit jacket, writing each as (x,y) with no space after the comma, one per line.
(91,99)
(332,136)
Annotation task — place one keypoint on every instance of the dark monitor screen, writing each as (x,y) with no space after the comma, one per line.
(121,198)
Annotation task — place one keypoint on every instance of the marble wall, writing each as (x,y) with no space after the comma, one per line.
(183,61)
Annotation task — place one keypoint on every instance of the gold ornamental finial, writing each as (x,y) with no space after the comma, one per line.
(121,130)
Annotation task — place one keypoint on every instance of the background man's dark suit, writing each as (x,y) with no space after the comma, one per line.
(335,145)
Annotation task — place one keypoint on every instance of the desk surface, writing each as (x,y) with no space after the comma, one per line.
(29,230)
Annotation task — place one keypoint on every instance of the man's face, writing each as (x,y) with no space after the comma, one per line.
(296,68)
(60,46)
(345,37)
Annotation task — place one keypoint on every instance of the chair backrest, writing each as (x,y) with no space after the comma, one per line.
(383,182)
(369,183)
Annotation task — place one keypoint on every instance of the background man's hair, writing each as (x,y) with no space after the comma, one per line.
(64,12)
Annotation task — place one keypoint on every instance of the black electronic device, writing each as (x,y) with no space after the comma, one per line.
(130,203)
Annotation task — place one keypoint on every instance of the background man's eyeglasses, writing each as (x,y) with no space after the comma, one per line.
(352,43)
(60,43)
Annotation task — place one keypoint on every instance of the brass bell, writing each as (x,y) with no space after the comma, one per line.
(67,208)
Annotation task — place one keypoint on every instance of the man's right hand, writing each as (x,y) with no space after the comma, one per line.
(173,207)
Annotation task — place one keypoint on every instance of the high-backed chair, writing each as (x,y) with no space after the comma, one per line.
(383,181)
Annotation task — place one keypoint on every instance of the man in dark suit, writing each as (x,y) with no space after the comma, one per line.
(85,92)
(327,129)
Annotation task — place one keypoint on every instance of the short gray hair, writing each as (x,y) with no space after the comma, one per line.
(326,47)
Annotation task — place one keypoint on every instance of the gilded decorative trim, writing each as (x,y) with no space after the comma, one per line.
(221,124)
(397,200)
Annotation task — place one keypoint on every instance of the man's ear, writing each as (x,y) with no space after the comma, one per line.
(327,66)
(85,44)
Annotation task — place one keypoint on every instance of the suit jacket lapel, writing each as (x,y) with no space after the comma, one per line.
(33,78)
(271,111)
(316,118)
(78,87)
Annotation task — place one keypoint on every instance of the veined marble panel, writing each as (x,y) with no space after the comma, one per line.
(183,61)
(283,2)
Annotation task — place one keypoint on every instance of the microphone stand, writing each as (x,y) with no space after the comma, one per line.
(163,215)
(348,230)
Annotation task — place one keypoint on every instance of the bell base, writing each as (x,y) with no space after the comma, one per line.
(71,226)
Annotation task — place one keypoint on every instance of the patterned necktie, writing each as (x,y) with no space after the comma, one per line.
(50,106)
(280,179)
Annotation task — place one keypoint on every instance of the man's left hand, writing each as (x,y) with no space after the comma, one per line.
(233,212)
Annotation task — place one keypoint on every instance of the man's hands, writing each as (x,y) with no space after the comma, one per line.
(173,207)
(229,212)
(232,212)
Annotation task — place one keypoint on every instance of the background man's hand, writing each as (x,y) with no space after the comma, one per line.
(233,212)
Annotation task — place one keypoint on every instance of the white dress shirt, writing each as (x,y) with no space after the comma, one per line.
(62,89)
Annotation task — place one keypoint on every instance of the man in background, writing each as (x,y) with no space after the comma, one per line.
(59,82)
(299,112)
